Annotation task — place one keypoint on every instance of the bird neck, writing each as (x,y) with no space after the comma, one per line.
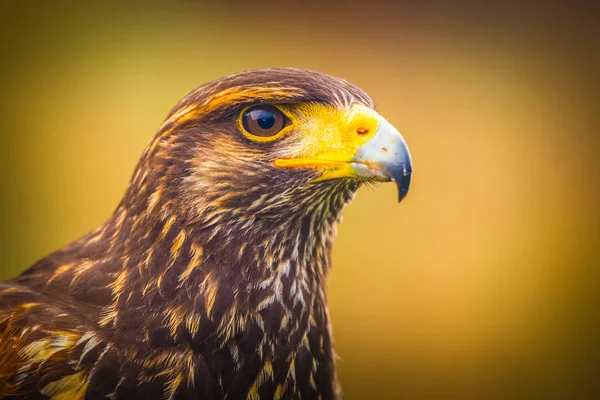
(181,278)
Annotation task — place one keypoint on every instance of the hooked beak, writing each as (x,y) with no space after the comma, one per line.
(385,157)
(365,145)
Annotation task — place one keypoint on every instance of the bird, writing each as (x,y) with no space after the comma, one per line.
(209,279)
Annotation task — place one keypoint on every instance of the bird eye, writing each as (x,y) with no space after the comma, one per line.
(264,121)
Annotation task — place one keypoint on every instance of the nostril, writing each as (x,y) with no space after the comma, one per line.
(362,131)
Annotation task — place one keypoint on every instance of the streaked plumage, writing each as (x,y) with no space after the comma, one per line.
(209,279)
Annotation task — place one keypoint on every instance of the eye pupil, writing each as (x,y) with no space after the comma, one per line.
(263,121)
(266,120)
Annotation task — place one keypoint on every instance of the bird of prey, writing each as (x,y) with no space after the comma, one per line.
(209,280)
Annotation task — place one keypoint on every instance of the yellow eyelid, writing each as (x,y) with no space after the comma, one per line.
(265,139)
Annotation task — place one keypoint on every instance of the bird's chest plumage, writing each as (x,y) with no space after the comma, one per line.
(265,337)
(260,359)
(217,322)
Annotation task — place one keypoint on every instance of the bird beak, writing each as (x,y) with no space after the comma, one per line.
(385,157)
(363,145)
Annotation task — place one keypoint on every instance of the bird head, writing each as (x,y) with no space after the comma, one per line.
(238,195)
(270,143)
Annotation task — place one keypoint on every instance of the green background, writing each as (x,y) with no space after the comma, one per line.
(482,284)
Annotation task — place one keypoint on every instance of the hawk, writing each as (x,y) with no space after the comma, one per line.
(209,280)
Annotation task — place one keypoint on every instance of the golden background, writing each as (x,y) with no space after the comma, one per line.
(482,284)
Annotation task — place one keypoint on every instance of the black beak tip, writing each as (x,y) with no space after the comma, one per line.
(401,171)
(403,184)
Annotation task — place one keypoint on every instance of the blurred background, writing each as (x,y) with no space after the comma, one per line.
(483,284)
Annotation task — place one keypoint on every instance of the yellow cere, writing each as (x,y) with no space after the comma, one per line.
(330,137)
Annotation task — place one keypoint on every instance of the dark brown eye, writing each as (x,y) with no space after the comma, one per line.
(264,121)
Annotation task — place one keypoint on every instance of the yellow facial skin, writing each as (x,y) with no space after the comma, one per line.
(339,143)
(330,137)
